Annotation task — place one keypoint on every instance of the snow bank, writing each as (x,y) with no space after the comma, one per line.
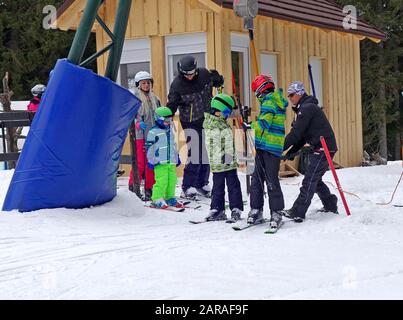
(124,251)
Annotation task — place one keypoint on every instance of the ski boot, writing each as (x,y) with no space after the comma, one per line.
(174,203)
(290,214)
(147,195)
(204,192)
(236,214)
(190,194)
(160,204)
(216,215)
(255,216)
(325,210)
(276,219)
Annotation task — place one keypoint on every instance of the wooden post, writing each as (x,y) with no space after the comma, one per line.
(5,99)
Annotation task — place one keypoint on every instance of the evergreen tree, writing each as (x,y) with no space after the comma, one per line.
(27,50)
(382,77)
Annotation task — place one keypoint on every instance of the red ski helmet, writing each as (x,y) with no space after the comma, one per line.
(261,84)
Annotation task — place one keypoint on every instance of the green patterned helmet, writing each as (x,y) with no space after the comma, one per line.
(222,101)
(163,112)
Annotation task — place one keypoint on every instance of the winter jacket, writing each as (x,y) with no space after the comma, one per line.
(34,104)
(310,125)
(161,147)
(146,113)
(220,144)
(269,127)
(193,97)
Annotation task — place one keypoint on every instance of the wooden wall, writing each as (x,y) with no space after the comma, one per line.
(294,44)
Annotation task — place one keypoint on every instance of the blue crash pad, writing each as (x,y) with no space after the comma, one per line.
(71,155)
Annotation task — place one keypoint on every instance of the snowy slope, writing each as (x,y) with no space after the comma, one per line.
(123,251)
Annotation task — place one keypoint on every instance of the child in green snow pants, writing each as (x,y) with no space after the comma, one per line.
(166,179)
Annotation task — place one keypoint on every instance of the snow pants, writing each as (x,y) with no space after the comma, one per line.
(234,190)
(312,184)
(165,182)
(197,170)
(267,168)
(145,173)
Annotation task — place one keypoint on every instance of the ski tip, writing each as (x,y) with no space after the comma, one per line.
(196,222)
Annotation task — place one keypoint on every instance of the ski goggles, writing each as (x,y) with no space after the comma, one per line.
(189,73)
(166,120)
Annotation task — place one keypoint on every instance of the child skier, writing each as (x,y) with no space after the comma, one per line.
(269,142)
(144,122)
(223,159)
(163,158)
(37,93)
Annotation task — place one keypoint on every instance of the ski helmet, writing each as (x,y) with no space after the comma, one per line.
(261,84)
(223,103)
(161,115)
(187,65)
(142,75)
(38,90)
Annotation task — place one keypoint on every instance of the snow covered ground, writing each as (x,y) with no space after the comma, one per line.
(124,251)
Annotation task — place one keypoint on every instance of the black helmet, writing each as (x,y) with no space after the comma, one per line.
(187,65)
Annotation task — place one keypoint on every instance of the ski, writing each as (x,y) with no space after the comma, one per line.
(232,221)
(238,228)
(198,222)
(274,230)
(206,221)
(167,209)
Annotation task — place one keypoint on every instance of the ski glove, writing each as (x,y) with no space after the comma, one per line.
(151,166)
(141,126)
(216,78)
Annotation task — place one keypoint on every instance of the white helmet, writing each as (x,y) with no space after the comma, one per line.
(39,89)
(142,75)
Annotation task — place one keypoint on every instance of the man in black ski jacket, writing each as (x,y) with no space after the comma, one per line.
(191,92)
(311,124)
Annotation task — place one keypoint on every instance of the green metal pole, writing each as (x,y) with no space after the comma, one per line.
(121,21)
(84,31)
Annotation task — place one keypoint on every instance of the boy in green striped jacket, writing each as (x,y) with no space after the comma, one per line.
(269,142)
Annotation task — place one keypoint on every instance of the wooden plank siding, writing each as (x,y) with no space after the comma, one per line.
(293,43)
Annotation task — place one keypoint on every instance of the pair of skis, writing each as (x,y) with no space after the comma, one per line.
(271,230)
(184,206)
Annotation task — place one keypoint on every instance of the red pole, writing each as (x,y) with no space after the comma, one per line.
(330,161)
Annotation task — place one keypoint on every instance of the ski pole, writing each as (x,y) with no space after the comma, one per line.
(330,161)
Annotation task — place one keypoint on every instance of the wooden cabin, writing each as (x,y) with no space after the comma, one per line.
(289,35)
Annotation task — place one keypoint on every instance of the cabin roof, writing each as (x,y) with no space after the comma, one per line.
(319,13)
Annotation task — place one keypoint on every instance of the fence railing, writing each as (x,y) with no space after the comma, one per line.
(9,120)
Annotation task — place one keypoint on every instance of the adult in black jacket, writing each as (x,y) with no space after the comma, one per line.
(311,124)
(191,92)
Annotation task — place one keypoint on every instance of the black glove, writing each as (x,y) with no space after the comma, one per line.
(216,78)
(307,150)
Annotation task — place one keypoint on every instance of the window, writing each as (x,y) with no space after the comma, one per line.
(129,71)
(136,57)
(317,75)
(177,47)
(269,65)
(241,66)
